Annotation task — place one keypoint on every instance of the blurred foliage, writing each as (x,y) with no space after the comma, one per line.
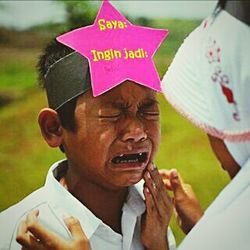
(29,39)
(80,13)
(143,21)
(52,29)
(83,13)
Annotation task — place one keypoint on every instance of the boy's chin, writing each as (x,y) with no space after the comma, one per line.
(135,180)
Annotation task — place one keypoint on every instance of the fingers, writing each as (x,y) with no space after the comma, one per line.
(35,228)
(74,227)
(171,178)
(155,185)
(46,238)
(80,240)
(177,184)
(25,239)
(149,201)
(34,236)
(165,177)
(155,176)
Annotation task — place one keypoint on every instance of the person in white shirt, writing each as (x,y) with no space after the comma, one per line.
(110,142)
(208,82)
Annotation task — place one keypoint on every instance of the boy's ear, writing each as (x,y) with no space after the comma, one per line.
(51,127)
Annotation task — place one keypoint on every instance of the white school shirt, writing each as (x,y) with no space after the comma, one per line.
(54,201)
(226,223)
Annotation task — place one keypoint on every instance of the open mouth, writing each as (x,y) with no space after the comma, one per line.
(130,158)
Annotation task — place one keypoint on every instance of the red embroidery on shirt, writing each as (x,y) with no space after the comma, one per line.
(213,52)
(205,24)
(228,93)
(214,57)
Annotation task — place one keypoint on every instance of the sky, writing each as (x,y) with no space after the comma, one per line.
(24,14)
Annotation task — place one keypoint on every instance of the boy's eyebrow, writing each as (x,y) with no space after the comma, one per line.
(148,103)
(120,105)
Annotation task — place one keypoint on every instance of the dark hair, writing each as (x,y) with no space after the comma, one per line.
(219,6)
(52,53)
(239,9)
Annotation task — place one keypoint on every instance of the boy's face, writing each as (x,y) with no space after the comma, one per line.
(117,135)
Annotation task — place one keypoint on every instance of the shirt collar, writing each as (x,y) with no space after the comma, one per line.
(64,203)
(135,199)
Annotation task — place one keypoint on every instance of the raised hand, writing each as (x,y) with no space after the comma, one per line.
(158,211)
(32,235)
(186,204)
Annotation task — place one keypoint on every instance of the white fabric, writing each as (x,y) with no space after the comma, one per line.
(209,83)
(239,150)
(226,223)
(209,78)
(54,201)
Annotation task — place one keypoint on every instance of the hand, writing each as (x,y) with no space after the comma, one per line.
(186,204)
(159,208)
(33,236)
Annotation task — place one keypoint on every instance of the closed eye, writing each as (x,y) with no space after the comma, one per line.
(149,110)
(150,115)
(110,117)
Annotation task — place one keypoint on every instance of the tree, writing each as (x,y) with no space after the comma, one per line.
(80,13)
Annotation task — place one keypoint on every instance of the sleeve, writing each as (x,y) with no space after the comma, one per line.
(227,229)
(8,222)
(171,239)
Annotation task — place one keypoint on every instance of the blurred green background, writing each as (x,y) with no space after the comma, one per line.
(25,157)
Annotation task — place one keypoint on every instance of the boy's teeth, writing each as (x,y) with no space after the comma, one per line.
(129,161)
(130,158)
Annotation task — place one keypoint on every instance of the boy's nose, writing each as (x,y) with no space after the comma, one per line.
(134,131)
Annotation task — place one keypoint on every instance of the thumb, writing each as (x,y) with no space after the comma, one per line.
(176,183)
(75,228)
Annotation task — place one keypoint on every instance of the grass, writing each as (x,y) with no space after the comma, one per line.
(25,158)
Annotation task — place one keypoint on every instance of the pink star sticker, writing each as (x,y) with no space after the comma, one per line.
(117,50)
